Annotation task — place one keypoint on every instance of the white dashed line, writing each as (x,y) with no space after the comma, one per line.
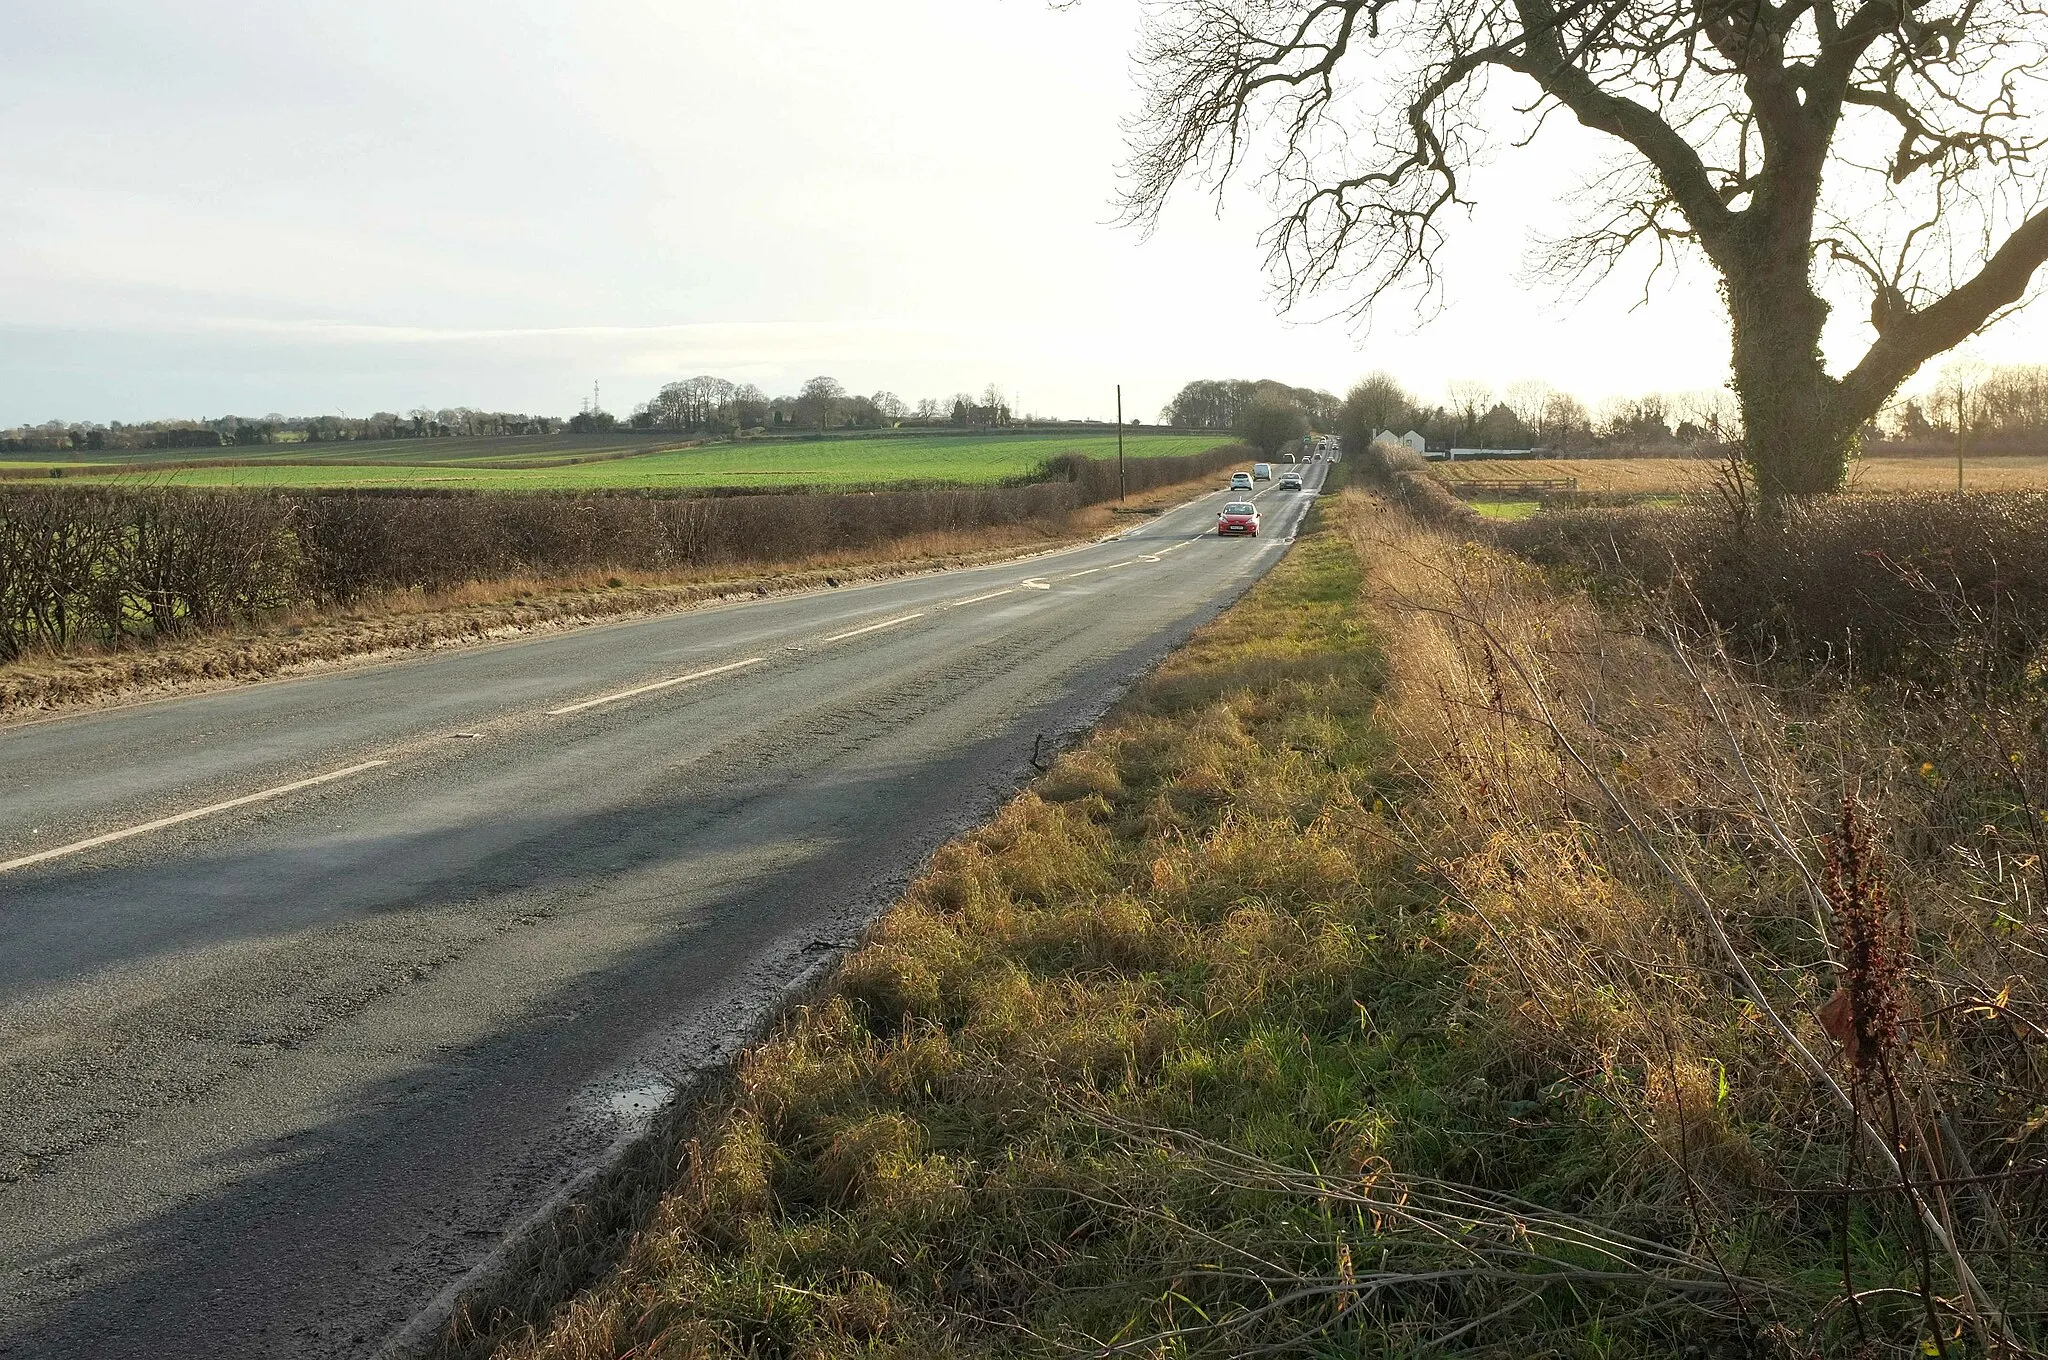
(977,599)
(659,684)
(875,627)
(160,823)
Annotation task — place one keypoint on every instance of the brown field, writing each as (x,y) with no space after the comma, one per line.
(1667,476)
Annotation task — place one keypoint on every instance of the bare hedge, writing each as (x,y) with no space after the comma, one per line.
(1906,586)
(111,563)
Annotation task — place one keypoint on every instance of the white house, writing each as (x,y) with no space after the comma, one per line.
(1410,440)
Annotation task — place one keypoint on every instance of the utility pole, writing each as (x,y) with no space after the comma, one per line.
(1961,425)
(1120,486)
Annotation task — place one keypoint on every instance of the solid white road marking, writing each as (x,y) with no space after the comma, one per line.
(977,599)
(659,684)
(1072,574)
(160,823)
(1036,585)
(885,623)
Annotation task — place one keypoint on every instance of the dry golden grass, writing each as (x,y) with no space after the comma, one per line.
(1630,476)
(1644,846)
(2016,473)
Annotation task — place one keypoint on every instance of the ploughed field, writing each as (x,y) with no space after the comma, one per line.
(628,460)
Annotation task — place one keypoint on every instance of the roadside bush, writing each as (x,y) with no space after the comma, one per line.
(1903,586)
(1097,481)
(1406,476)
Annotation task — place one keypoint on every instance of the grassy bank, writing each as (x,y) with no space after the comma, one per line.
(1324,1003)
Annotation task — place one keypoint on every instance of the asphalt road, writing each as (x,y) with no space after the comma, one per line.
(276,1072)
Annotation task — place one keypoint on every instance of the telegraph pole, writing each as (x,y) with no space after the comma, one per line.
(1120,487)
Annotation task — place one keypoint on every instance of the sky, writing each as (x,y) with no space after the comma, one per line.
(236,206)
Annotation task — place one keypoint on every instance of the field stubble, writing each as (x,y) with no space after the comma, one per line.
(1685,476)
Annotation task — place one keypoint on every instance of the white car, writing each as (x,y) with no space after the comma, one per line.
(1240,481)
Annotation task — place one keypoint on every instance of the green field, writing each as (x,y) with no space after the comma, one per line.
(545,463)
(1507,509)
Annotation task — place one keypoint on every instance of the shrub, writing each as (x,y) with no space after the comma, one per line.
(1905,586)
(1097,478)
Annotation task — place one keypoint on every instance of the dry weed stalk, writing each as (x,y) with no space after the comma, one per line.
(1486,1255)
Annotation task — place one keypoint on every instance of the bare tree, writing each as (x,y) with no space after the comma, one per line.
(1527,399)
(1376,402)
(1565,422)
(1469,403)
(1882,149)
(818,403)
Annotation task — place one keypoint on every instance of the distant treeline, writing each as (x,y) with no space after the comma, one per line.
(1222,403)
(107,564)
(223,431)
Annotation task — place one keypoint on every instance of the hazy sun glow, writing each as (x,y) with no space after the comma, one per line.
(233,206)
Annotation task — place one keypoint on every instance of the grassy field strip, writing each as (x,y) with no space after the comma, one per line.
(820,463)
(178,819)
(672,681)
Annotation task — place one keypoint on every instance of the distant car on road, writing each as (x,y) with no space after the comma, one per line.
(1238,517)
(1290,481)
(1240,481)
(1262,472)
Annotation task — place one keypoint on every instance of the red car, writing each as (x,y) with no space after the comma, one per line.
(1238,517)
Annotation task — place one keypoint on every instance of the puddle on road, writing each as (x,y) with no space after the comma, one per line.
(637,1102)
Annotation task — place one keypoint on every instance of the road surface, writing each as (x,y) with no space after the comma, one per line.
(311,989)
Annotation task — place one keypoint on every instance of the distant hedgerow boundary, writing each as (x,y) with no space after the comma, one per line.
(107,565)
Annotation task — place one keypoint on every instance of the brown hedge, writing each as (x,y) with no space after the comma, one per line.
(1907,585)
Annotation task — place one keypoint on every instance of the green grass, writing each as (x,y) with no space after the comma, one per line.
(1507,509)
(481,464)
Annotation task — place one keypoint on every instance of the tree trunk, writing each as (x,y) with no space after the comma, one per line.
(1795,435)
